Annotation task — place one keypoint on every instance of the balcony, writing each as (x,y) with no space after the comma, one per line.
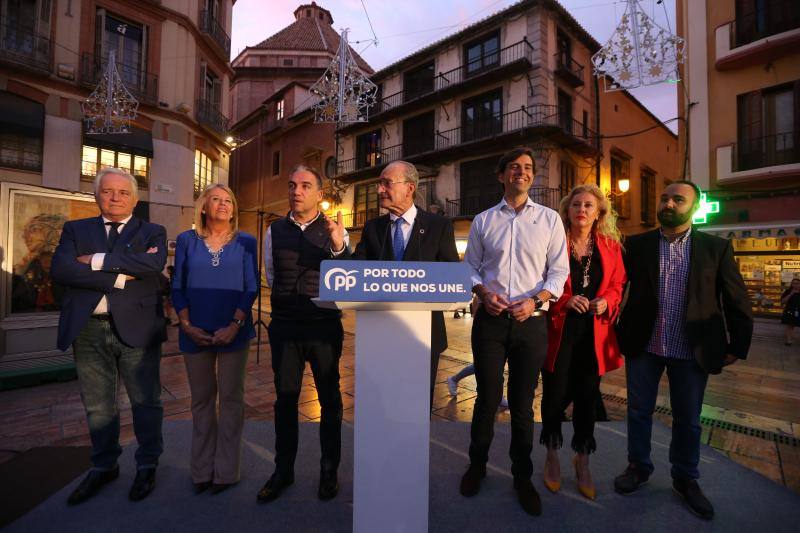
(472,205)
(569,70)
(208,114)
(209,25)
(510,60)
(770,157)
(515,127)
(24,48)
(142,85)
(356,219)
(759,36)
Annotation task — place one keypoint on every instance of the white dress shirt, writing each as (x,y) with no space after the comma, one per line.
(517,255)
(409,217)
(97,264)
(269,267)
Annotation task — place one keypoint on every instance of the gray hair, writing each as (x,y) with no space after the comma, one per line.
(409,171)
(118,171)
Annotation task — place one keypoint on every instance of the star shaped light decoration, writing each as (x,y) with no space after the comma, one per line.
(345,93)
(639,52)
(111,107)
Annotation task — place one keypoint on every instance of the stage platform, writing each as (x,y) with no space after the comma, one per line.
(743,499)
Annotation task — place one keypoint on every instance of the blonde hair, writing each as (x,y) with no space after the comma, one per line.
(200,204)
(606,223)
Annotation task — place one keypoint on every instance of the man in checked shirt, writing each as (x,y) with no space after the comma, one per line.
(687,312)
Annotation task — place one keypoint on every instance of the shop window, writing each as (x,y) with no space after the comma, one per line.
(203,172)
(94,159)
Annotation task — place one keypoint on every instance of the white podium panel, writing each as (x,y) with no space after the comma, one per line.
(392,421)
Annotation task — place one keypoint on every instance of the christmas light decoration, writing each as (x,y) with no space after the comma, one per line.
(345,94)
(639,52)
(111,107)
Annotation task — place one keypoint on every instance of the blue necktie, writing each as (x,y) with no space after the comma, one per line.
(397,243)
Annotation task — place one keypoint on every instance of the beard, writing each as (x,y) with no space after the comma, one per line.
(672,219)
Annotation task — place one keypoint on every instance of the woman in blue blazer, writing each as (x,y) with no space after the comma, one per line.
(213,290)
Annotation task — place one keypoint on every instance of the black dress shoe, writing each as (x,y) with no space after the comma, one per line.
(328,485)
(528,497)
(200,488)
(273,488)
(143,484)
(630,480)
(93,481)
(471,481)
(689,490)
(216,488)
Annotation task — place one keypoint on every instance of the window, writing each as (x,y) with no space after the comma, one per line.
(368,149)
(203,172)
(276,163)
(769,127)
(482,54)
(94,159)
(288,62)
(567,177)
(757,19)
(586,125)
(620,169)
(127,40)
(479,188)
(564,49)
(366,203)
(279,110)
(25,30)
(418,134)
(565,111)
(417,82)
(210,86)
(482,116)
(648,197)
(20,151)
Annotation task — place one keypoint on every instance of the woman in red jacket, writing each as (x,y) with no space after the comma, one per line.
(582,345)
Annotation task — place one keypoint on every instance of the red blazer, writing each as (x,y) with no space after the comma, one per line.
(611,288)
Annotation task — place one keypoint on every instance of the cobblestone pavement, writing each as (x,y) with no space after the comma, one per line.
(751,411)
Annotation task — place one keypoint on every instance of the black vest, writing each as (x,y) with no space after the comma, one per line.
(296,256)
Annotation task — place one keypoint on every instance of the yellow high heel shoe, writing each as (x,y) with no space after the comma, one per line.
(552,485)
(587,490)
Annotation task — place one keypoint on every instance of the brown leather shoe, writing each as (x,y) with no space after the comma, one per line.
(528,497)
(471,481)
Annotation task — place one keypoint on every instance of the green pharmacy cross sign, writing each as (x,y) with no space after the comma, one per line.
(707,207)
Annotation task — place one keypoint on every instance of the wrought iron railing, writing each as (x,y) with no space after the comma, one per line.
(566,65)
(515,52)
(208,24)
(356,219)
(209,114)
(775,16)
(472,205)
(769,150)
(143,85)
(372,159)
(25,47)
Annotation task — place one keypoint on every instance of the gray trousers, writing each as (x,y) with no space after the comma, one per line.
(216,441)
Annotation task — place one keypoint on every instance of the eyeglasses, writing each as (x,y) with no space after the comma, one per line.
(387,183)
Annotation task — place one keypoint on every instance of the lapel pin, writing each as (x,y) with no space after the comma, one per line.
(421,231)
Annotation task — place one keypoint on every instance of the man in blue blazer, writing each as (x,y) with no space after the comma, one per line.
(112,316)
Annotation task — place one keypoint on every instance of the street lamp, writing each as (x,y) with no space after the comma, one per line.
(624,185)
(325,205)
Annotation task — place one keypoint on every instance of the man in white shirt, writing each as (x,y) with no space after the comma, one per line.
(518,254)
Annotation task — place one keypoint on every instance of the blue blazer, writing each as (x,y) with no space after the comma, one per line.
(137,309)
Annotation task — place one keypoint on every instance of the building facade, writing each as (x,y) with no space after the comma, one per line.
(173,57)
(742,76)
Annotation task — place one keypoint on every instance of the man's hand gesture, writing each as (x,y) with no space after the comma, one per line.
(336,232)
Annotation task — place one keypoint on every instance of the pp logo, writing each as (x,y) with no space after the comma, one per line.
(342,279)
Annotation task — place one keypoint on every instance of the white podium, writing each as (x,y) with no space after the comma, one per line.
(392,414)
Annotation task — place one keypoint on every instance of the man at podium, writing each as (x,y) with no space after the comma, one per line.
(518,254)
(409,233)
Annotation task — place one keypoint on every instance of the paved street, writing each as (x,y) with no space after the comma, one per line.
(751,411)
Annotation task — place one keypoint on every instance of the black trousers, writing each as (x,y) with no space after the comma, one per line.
(524,345)
(575,376)
(293,343)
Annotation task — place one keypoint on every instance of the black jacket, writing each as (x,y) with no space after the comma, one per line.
(432,239)
(719,317)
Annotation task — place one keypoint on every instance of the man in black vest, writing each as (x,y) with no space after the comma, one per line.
(300,331)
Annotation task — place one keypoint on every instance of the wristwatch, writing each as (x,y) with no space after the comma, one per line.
(238,321)
(538,302)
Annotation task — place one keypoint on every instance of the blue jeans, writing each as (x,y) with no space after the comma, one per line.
(687,384)
(101,358)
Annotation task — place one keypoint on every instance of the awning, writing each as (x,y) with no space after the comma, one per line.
(20,115)
(137,142)
(754,230)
